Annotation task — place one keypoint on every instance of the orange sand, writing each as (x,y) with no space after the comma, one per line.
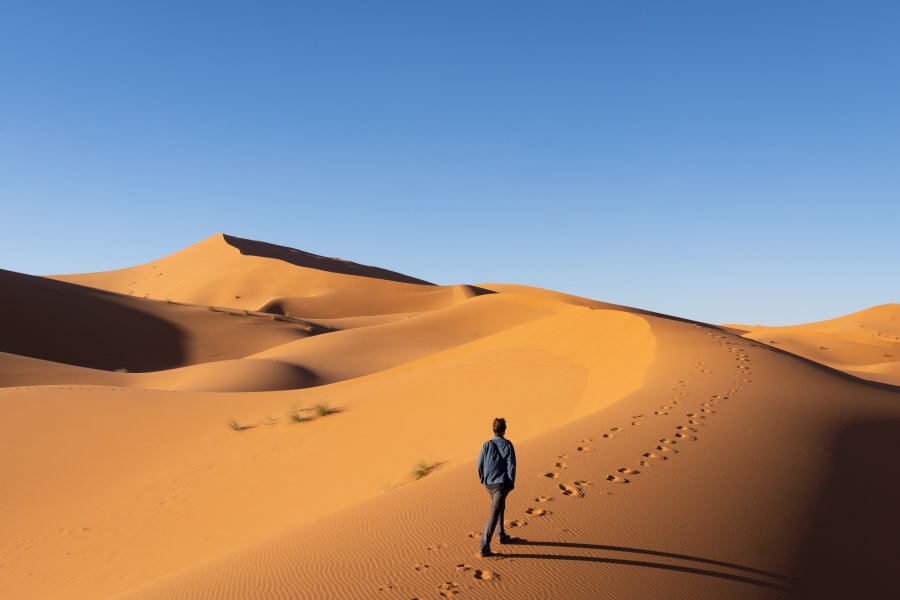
(658,458)
(865,344)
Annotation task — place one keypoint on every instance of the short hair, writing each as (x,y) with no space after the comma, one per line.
(499,426)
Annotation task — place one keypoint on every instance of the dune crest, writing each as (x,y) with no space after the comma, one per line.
(227,271)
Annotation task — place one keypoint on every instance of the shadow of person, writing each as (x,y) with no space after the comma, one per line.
(696,566)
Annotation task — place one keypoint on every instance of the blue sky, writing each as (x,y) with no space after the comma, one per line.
(723,161)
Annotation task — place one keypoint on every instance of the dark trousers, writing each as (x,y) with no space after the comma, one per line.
(498,493)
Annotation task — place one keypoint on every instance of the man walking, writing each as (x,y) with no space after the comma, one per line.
(497,471)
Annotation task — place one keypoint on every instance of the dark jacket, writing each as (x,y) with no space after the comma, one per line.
(497,462)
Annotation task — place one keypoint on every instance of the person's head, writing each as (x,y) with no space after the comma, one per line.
(499,426)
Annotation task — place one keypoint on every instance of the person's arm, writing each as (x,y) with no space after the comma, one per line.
(511,465)
(481,465)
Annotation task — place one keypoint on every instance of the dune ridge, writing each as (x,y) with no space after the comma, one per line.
(228,271)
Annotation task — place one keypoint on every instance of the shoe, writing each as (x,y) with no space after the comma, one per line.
(484,552)
(506,539)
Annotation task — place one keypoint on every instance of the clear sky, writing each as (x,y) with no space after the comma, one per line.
(723,161)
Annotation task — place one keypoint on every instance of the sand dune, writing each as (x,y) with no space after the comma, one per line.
(865,343)
(658,457)
(227,271)
(711,481)
(82,326)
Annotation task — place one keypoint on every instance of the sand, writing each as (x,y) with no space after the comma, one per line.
(658,457)
(865,344)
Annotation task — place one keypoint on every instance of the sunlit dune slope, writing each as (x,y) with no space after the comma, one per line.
(228,271)
(865,343)
(735,471)
(166,468)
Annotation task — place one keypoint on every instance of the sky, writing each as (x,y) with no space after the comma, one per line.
(731,162)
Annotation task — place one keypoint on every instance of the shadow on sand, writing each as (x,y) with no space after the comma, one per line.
(694,570)
(851,547)
(314,261)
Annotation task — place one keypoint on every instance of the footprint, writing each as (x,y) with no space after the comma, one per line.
(654,456)
(666,441)
(666,449)
(635,423)
(537,512)
(543,499)
(448,589)
(685,428)
(563,456)
(442,546)
(636,416)
(615,428)
(684,436)
(617,479)
(551,475)
(586,440)
(560,465)
(483,574)
(569,490)
(706,410)
(609,435)
(582,448)
(421,567)
(463,567)
(517,523)
(386,588)
(473,535)
(660,413)
(627,471)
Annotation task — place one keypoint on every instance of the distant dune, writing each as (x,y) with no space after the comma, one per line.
(865,343)
(241,420)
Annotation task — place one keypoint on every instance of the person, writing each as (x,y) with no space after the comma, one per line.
(497,471)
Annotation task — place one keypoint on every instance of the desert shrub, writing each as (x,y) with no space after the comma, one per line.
(323,410)
(423,469)
(297,417)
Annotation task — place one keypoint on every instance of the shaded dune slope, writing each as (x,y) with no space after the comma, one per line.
(76,325)
(48,319)
(314,261)
(58,332)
